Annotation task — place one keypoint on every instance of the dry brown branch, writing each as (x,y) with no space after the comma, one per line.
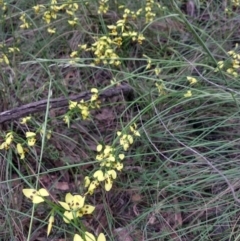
(41,105)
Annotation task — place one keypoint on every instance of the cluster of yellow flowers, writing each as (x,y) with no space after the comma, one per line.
(3,5)
(110,161)
(50,13)
(82,107)
(19,147)
(25,23)
(103,6)
(149,15)
(74,206)
(233,3)
(5,51)
(105,47)
(30,136)
(236,3)
(232,66)
(192,81)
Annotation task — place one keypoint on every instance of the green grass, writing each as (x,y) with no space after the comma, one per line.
(180,179)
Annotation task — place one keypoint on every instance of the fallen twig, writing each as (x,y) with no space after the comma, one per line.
(41,105)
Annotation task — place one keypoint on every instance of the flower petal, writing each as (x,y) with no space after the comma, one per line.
(99,175)
(50,223)
(78,202)
(121,156)
(101,237)
(87,209)
(69,198)
(64,205)
(43,192)
(87,181)
(29,192)
(37,199)
(67,216)
(77,237)
(30,134)
(108,184)
(99,147)
(89,237)
(112,173)
(20,151)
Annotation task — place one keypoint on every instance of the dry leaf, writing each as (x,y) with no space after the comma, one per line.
(123,234)
(63,186)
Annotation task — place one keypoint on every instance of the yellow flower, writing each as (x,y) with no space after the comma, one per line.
(66,119)
(48,133)
(220,64)
(109,176)
(74,206)
(149,61)
(232,72)
(84,46)
(47,17)
(4,59)
(188,94)
(94,92)
(157,71)
(99,148)
(34,195)
(31,138)
(87,181)
(89,237)
(24,120)
(50,224)
(125,141)
(118,166)
(37,8)
(20,151)
(85,112)
(121,156)
(4,5)
(86,209)
(140,38)
(133,130)
(73,21)
(73,6)
(113,29)
(72,104)
(103,7)
(23,17)
(118,41)
(9,138)
(192,80)
(235,64)
(74,54)
(51,30)
(99,175)
(69,12)
(93,185)
(25,25)
(13,49)
(4,145)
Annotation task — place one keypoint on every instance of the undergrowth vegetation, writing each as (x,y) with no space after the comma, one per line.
(151,148)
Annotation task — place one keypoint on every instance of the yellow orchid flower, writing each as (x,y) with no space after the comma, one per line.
(74,206)
(34,195)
